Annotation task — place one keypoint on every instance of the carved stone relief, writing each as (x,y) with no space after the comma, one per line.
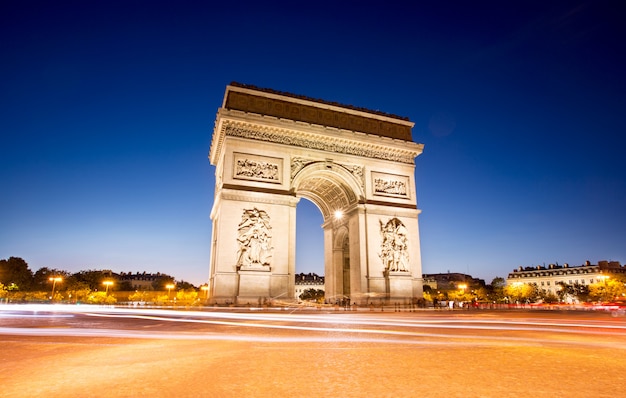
(394,251)
(357,172)
(345,147)
(390,185)
(255,240)
(257,168)
(298,164)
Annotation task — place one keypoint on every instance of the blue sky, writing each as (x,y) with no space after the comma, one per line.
(107,110)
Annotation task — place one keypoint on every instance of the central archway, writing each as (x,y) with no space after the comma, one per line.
(336,193)
(270,150)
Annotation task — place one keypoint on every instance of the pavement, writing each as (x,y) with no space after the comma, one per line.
(108,352)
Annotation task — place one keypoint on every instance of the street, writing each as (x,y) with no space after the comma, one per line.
(61,351)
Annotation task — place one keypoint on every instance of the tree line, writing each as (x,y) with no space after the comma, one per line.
(19,283)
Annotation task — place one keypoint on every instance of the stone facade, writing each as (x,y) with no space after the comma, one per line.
(270,150)
(548,278)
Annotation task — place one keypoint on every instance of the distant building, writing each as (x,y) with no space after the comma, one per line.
(308,281)
(451,281)
(548,278)
(139,281)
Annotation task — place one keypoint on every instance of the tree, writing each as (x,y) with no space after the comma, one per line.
(92,278)
(41,278)
(568,292)
(3,291)
(521,292)
(481,293)
(187,297)
(312,295)
(161,281)
(15,270)
(182,285)
(609,289)
(496,289)
(101,298)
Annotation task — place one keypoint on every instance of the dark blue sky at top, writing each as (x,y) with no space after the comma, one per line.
(107,111)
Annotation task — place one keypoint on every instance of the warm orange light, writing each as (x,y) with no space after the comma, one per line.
(54,280)
(107,284)
(169,288)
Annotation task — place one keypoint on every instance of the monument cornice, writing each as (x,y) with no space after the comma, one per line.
(238,124)
(251,99)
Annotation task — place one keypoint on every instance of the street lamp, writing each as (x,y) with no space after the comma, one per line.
(206,291)
(107,284)
(54,280)
(169,287)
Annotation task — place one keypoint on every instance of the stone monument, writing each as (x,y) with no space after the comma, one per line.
(270,149)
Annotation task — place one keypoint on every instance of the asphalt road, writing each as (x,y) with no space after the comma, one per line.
(78,351)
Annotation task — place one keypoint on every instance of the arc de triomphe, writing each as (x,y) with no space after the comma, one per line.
(270,149)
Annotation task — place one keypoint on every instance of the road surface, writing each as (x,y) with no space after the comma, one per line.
(78,351)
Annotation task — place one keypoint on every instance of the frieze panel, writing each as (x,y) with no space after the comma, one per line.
(384,184)
(318,144)
(257,168)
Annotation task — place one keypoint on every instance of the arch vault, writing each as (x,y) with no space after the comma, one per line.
(271,149)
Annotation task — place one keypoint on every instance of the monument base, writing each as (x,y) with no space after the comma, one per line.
(400,285)
(254,286)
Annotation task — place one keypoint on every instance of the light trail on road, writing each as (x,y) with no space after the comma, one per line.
(353,327)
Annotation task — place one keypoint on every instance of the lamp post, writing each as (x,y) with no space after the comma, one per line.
(206,291)
(54,280)
(169,287)
(107,284)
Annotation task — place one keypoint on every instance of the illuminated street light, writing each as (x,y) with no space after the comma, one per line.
(169,287)
(463,286)
(107,284)
(54,281)
(338,214)
(206,291)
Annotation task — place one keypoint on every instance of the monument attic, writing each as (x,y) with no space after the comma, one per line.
(270,149)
